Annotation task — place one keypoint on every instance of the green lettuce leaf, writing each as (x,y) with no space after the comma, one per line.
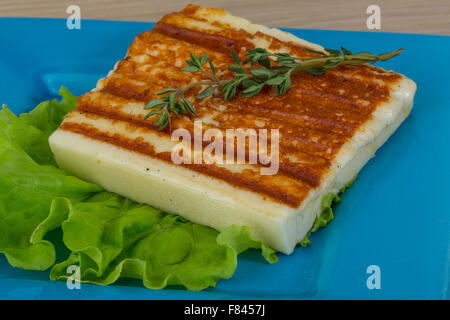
(122,238)
(240,239)
(48,115)
(31,194)
(327,213)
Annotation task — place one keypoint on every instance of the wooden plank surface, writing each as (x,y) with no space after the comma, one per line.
(414,16)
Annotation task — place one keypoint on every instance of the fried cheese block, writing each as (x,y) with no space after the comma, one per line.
(329,127)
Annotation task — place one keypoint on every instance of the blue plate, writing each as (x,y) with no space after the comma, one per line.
(394,217)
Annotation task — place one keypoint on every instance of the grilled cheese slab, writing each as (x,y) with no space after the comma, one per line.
(329,127)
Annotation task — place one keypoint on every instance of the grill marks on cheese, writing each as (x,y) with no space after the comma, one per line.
(315,117)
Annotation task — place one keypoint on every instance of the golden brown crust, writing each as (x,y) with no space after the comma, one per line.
(266,185)
(211,41)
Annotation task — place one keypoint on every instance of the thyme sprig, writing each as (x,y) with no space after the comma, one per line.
(274,70)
